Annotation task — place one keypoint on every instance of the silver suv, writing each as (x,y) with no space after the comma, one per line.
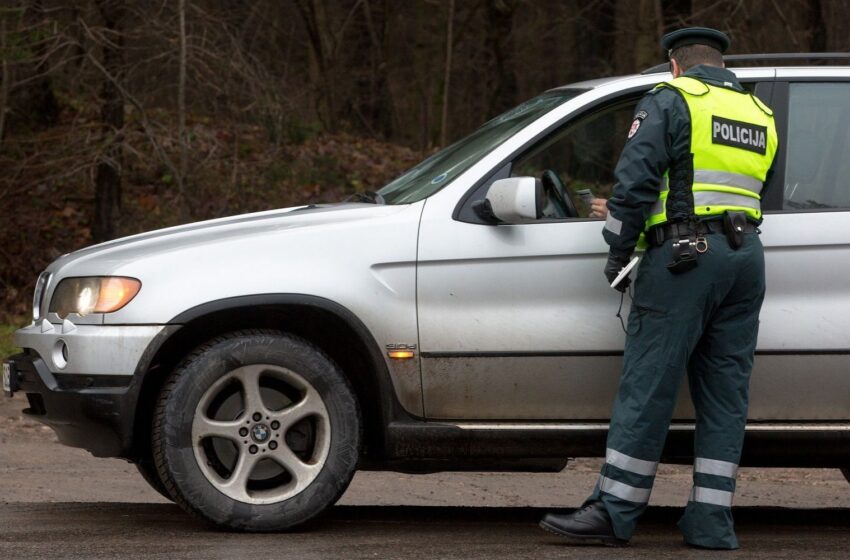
(456,319)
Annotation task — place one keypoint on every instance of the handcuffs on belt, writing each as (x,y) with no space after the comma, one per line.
(684,257)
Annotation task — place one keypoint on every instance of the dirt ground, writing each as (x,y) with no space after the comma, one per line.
(49,491)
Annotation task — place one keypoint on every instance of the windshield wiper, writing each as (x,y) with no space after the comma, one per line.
(369,197)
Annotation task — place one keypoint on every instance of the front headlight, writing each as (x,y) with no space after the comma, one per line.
(84,296)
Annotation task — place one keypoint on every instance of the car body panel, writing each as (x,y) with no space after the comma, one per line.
(360,256)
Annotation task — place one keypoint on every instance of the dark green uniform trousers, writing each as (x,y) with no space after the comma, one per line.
(705,322)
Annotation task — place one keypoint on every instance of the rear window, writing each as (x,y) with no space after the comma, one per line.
(817,169)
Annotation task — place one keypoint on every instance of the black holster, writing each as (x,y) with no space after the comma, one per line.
(684,256)
(733,226)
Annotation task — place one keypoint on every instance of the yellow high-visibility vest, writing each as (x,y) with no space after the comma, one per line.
(733,141)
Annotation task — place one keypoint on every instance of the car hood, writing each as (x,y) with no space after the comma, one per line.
(113,254)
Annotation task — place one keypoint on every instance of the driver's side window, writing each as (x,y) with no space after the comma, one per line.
(582,154)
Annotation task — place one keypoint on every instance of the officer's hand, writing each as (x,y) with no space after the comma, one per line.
(599,208)
(615,264)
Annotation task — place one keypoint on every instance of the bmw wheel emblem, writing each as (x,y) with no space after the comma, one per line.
(260,433)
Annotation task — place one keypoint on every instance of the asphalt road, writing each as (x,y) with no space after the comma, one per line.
(114,530)
(58,502)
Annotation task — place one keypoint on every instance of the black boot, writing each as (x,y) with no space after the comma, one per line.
(590,523)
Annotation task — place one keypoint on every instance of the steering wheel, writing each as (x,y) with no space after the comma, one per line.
(556,193)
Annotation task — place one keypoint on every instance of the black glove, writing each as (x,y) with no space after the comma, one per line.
(616,263)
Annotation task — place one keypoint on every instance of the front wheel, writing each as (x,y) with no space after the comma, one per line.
(257,431)
(147,469)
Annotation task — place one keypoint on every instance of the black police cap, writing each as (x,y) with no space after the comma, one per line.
(695,36)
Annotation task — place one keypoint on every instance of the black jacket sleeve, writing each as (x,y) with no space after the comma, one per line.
(660,131)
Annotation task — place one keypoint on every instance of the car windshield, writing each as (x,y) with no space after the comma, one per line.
(440,169)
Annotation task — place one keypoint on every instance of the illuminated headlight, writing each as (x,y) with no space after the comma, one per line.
(85,296)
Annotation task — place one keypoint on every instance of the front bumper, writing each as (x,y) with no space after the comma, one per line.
(87,349)
(84,381)
(98,417)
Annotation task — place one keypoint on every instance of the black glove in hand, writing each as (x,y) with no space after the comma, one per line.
(615,264)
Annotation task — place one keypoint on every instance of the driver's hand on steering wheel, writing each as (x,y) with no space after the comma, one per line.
(599,208)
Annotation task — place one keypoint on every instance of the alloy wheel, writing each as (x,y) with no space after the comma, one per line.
(261,434)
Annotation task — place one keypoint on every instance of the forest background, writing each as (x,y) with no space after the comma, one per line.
(123,116)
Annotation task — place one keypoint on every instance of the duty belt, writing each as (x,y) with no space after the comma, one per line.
(657,235)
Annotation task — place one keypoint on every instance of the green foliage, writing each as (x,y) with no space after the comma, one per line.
(298,131)
(7,346)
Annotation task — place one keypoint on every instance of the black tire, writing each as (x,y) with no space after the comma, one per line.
(147,469)
(846,473)
(175,456)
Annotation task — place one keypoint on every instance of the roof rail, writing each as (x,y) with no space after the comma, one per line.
(665,67)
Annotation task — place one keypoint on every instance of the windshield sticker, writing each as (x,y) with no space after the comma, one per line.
(439,178)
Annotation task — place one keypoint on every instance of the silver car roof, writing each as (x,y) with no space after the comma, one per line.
(796,72)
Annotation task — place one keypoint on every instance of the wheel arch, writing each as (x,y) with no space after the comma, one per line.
(323,322)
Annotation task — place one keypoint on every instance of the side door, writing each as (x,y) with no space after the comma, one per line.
(517,324)
(516,321)
(802,369)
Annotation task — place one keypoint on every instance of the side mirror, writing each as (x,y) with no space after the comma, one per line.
(515,200)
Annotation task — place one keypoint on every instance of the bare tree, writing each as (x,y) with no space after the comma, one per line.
(6,77)
(381,109)
(447,75)
(108,174)
(500,21)
(181,108)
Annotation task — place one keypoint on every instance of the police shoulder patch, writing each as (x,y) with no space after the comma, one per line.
(639,116)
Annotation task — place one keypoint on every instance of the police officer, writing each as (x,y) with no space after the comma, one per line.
(689,183)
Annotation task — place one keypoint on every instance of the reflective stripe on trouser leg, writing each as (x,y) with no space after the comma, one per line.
(711,496)
(631,464)
(624,486)
(715,467)
(627,477)
(707,520)
(714,481)
(623,490)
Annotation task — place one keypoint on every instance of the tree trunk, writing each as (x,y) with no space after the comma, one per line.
(315,19)
(181,110)
(381,106)
(447,76)
(637,27)
(4,85)
(500,15)
(834,17)
(42,106)
(108,175)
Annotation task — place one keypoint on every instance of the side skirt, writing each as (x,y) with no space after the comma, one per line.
(453,446)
